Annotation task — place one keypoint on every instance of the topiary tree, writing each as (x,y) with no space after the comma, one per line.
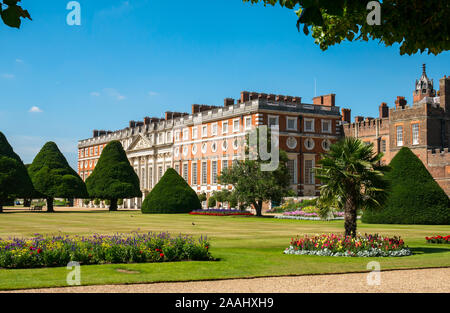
(415,197)
(53,177)
(171,195)
(14,178)
(113,177)
(202,197)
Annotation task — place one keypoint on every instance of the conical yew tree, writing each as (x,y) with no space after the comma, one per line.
(53,177)
(414,197)
(113,177)
(14,178)
(171,195)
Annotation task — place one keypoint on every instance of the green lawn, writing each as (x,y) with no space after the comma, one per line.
(246,247)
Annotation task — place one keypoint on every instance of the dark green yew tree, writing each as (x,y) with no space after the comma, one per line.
(415,197)
(113,177)
(53,177)
(14,179)
(171,195)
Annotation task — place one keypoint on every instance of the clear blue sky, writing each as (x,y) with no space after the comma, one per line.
(131,59)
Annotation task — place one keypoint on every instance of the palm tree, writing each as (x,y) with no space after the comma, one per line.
(352,178)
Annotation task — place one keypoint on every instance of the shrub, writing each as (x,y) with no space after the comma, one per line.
(86,201)
(119,202)
(212,202)
(97,201)
(202,197)
(113,176)
(414,197)
(43,251)
(171,195)
(108,202)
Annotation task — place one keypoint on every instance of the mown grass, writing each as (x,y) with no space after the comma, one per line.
(245,247)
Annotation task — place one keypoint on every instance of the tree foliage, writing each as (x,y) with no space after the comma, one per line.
(171,195)
(352,179)
(253,186)
(12,13)
(113,177)
(415,197)
(53,177)
(14,178)
(416,25)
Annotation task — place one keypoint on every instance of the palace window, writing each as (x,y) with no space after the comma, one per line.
(204,130)
(309,172)
(383,145)
(194,133)
(204,173)
(309,125)
(224,127)
(273,121)
(248,122)
(236,125)
(291,169)
(214,172)
(326,126)
(415,134)
(399,136)
(214,129)
(186,172)
(194,173)
(185,134)
(291,123)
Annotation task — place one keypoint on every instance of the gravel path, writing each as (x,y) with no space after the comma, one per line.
(421,280)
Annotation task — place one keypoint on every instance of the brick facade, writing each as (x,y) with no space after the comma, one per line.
(424,127)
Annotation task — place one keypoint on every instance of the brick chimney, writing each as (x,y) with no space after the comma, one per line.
(95,133)
(328,100)
(132,124)
(400,102)
(359,119)
(384,110)
(346,115)
(245,96)
(228,101)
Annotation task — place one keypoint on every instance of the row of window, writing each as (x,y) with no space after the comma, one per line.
(92,151)
(415,135)
(308,124)
(88,164)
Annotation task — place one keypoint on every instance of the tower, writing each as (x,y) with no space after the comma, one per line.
(424,87)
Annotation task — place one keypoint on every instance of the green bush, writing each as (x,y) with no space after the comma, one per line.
(119,202)
(97,202)
(202,197)
(212,202)
(171,195)
(86,201)
(108,202)
(414,196)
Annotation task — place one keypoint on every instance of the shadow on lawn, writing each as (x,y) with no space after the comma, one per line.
(427,250)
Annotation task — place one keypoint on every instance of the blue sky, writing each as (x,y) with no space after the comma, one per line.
(131,59)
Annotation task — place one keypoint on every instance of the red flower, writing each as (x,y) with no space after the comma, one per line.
(161,255)
(39,250)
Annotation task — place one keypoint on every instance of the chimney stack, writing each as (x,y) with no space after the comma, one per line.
(359,119)
(228,101)
(400,102)
(95,133)
(346,115)
(245,96)
(384,110)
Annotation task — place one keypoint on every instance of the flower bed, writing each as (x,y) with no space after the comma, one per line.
(438,239)
(43,251)
(312,216)
(220,212)
(340,245)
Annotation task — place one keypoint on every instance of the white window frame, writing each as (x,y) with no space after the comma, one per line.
(214,181)
(225,127)
(185,166)
(399,135)
(309,175)
(185,134)
(177,135)
(248,125)
(290,118)
(294,178)
(415,134)
(204,130)
(194,173)
(329,126)
(275,117)
(194,132)
(205,169)
(312,125)
(214,129)
(236,129)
